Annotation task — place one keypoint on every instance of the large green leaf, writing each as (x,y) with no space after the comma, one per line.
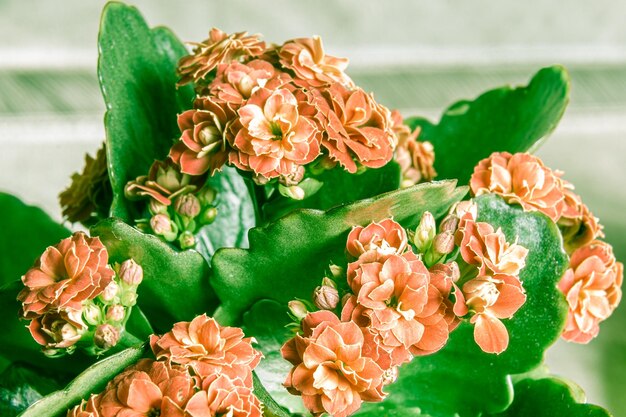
(340,187)
(504,119)
(235,215)
(446,383)
(175,285)
(138,80)
(91,381)
(26,232)
(548,397)
(21,385)
(287,258)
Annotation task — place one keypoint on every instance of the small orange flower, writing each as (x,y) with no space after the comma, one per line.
(58,329)
(208,348)
(87,408)
(65,275)
(490,299)
(520,179)
(592,287)
(219,48)
(221,396)
(202,146)
(386,237)
(163,183)
(416,159)
(355,126)
(272,138)
(310,64)
(235,82)
(149,388)
(488,249)
(330,371)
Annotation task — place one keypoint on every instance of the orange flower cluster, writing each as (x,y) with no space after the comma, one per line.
(202,370)
(396,309)
(271,110)
(592,282)
(72,292)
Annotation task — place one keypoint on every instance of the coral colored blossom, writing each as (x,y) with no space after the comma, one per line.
(490,299)
(219,48)
(272,138)
(58,329)
(202,146)
(312,67)
(521,179)
(149,388)
(330,371)
(356,127)
(416,158)
(65,275)
(222,396)
(578,225)
(592,288)
(235,82)
(208,348)
(87,408)
(387,237)
(163,183)
(488,249)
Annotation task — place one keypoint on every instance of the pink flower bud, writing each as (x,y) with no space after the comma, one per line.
(110,291)
(187,205)
(116,312)
(186,240)
(444,243)
(131,272)
(326,297)
(157,207)
(298,309)
(161,224)
(449,224)
(106,336)
(455,271)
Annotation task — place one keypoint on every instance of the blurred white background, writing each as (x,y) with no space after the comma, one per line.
(418,56)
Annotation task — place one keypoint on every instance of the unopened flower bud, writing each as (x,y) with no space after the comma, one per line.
(116,312)
(92,314)
(326,297)
(454,270)
(298,309)
(294,192)
(106,336)
(425,232)
(208,215)
(443,243)
(186,240)
(207,195)
(131,272)
(292,179)
(128,298)
(336,271)
(449,224)
(187,205)
(163,226)
(156,207)
(110,291)
(328,282)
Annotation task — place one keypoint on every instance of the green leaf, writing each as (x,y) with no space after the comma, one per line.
(235,214)
(137,71)
(175,286)
(288,258)
(461,380)
(339,187)
(266,322)
(26,232)
(270,407)
(504,119)
(548,397)
(91,381)
(21,385)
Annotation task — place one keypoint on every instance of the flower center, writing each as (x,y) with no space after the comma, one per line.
(276,130)
(154,412)
(484,296)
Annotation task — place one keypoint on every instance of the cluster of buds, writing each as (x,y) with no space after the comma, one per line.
(431,245)
(285,113)
(592,283)
(179,204)
(75,299)
(367,320)
(201,369)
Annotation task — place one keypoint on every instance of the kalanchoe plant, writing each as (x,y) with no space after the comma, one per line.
(335,277)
